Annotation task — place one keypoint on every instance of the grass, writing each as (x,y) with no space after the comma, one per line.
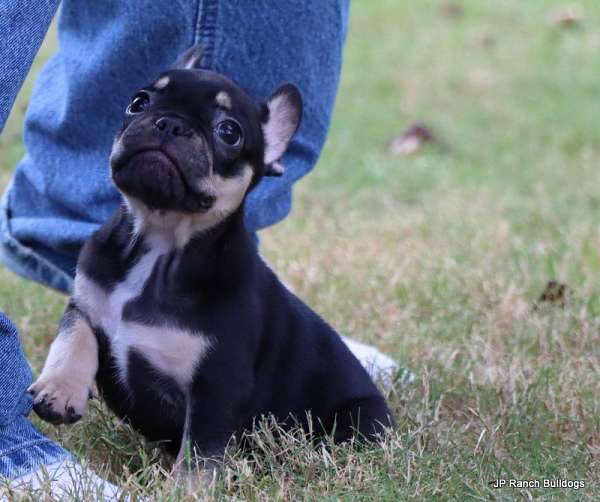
(438,259)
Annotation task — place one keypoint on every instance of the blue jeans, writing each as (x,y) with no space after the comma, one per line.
(22,448)
(108,49)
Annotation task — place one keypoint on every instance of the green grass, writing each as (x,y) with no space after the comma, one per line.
(437,259)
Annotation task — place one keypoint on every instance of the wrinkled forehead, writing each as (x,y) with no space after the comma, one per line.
(200,88)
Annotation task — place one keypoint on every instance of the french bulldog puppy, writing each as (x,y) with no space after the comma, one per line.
(188,334)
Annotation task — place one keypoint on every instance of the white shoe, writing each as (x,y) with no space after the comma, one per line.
(63,480)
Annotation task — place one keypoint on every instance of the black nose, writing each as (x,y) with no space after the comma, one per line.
(172,126)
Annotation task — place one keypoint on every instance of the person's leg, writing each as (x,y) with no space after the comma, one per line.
(27,458)
(22,447)
(23,25)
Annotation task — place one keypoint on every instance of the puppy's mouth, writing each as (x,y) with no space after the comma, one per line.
(156,177)
(150,159)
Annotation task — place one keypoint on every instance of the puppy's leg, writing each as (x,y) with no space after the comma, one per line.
(190,469)
(181,468)
(63,389)
(219,392)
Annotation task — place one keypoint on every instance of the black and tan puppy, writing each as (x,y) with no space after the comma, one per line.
(174,313)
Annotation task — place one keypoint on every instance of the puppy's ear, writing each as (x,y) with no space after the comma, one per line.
(281,121)
(190,59)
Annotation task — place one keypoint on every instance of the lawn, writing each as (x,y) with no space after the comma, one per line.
(438,258)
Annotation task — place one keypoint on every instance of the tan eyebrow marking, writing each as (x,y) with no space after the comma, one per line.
(224,100)
(161,83)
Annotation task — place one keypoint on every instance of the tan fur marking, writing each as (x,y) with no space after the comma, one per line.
(174,351)
(223,100)
(161,83)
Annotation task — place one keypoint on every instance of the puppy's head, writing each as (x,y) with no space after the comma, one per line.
(193,142)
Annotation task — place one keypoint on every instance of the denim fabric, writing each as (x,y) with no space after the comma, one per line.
(15,375)
(61,190)
(22,447)
(23,24)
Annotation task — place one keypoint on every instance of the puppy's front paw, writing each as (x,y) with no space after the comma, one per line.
(59,400)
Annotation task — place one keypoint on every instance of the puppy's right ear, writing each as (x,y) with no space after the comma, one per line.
(190,59)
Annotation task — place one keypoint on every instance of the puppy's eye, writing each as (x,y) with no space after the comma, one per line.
(139,103)
(229,132)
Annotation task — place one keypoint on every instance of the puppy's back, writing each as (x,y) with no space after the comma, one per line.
(304,365)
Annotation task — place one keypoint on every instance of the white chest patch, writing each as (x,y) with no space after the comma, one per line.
(169,349)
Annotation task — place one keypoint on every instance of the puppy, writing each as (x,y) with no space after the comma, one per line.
(187,332)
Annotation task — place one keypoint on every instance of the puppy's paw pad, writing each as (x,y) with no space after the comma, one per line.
(72,415)
(58,400)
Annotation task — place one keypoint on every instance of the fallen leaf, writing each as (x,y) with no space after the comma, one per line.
(488,41)
(555,293)
(411,141)
(451,9)
(567,16)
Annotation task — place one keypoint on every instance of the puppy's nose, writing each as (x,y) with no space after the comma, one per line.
(172,126)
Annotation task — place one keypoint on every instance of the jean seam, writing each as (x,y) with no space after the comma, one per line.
(205,31)
(197,21)
(25,445)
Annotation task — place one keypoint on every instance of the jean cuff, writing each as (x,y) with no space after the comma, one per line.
(23,449)
(23,260)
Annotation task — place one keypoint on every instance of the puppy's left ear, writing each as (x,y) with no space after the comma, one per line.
(284,112)
(190,59)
